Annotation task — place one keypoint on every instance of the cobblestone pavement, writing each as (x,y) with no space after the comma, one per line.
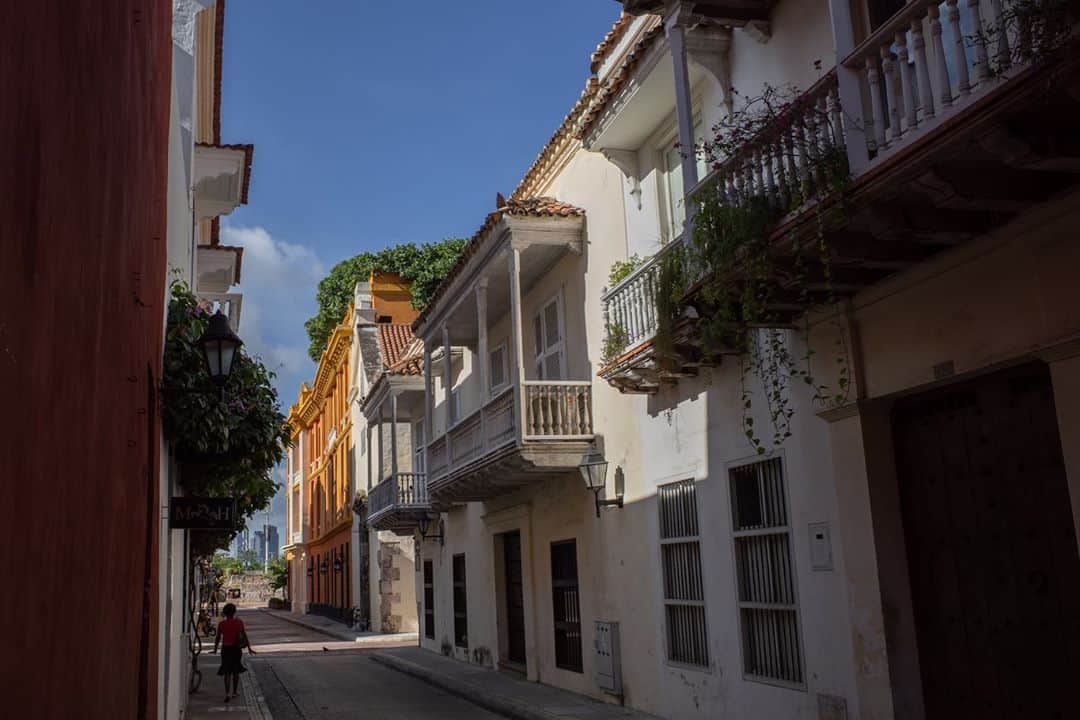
(305,675)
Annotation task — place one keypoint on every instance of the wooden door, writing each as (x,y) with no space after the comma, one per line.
(515,598)
(992,552)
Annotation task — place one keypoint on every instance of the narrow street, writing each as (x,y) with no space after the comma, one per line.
(306,675)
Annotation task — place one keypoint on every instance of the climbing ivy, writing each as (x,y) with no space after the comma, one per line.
(424,266)
(741,269)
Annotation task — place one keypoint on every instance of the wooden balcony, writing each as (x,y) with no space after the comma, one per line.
(529,430)
(398,502)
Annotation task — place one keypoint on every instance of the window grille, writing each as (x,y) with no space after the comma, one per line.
(765,576)
(566,605)
(684,595)
(461,615)
(429,600)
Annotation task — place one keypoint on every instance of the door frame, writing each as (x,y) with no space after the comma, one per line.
(517,518)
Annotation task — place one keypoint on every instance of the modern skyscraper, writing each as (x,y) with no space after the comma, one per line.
(273,540)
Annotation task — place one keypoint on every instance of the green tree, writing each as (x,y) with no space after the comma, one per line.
(424,266)
(276,573)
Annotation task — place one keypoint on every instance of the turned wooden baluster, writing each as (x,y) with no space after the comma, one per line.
(835,119)
(788,137)
(907,90)
(781,180)
(755,168)
(979,64)
(922,70)
(1001,29)
(770,179)
(937,49)
(892,97)
(878,115)
(952,15)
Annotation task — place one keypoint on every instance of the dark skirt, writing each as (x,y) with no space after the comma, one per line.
(230,661)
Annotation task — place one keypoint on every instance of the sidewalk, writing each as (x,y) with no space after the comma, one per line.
(342,632)
(208,703)
(501,692)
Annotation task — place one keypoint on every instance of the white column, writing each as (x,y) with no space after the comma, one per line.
(843,30)
(393,434)
(379,420)
(429,406)
(482,352)
(369,453)
(675,25)
(517,355)
(448,403)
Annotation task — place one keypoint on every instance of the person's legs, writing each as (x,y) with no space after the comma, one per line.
(226,677)
(235,683)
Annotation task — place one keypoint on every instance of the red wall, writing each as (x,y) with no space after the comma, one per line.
(83,149)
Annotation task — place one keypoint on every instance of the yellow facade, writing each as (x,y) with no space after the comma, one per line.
(321,420)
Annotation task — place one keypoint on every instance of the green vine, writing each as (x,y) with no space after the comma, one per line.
(228,443)
(622,269)
(425,266)
(753,284)
(615,341)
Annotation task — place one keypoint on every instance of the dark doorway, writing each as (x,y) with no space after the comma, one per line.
(429,600)
(566,605)
(991,548)
(515,599)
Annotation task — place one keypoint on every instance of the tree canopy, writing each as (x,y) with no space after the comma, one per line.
(424,266)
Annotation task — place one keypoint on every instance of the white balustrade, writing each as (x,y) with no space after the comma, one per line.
(228,303)
(630,306)
(927,62)
(403,489)
(561,409)
(437,462)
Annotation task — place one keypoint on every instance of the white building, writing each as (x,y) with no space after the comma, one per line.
(206,180)
(891,555)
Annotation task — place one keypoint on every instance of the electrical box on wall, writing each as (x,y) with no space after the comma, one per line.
(820,546)
(608,667)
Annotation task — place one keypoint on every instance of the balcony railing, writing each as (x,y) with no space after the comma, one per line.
(783,162)
(552,410)
(930,60)
(403,490)
(228,303)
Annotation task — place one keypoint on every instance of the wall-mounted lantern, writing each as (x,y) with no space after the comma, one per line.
(337,565)
(593,469)
(323,567)
(423,524)
(219,345)
(310,571)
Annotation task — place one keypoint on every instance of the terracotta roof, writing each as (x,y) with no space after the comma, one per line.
(610,40)
(411,360)
(534,207)
(619,77)
(393,339)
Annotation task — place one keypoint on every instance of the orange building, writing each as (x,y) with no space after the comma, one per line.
(321,471)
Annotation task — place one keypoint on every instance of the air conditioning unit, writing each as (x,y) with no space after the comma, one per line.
(608,666)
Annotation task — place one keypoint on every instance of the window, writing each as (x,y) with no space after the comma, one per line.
(498,372)
(548,336)
(461,615)
(684,596)
(765,578)
(673,181)
(429,600)
(566,605)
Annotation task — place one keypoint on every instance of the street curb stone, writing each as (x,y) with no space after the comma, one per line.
(340,635)
(478,696)
(254,698)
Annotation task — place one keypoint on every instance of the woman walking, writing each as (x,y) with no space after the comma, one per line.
(233,638)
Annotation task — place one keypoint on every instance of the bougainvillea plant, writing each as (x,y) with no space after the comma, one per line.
(228,440)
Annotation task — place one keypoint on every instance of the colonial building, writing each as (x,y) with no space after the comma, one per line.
(886,557)
(388,409)
(320,474)
(207,179)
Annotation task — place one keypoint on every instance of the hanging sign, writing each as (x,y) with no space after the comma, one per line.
(196,513)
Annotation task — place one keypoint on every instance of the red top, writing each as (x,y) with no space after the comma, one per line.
(229,631)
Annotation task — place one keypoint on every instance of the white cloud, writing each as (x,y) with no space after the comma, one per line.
(278,280)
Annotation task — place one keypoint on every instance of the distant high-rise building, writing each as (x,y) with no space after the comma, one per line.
(273,541)
(259,545)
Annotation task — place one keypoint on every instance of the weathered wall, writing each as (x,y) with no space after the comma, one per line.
(82,271)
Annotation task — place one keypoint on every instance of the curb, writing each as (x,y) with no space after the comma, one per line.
(489,701)
(253,696)
(287,617)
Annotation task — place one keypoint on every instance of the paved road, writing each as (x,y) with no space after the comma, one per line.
(302,681)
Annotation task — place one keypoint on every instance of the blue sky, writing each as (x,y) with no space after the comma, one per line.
(381,123)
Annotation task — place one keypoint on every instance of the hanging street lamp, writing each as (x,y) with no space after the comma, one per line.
(423,524)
